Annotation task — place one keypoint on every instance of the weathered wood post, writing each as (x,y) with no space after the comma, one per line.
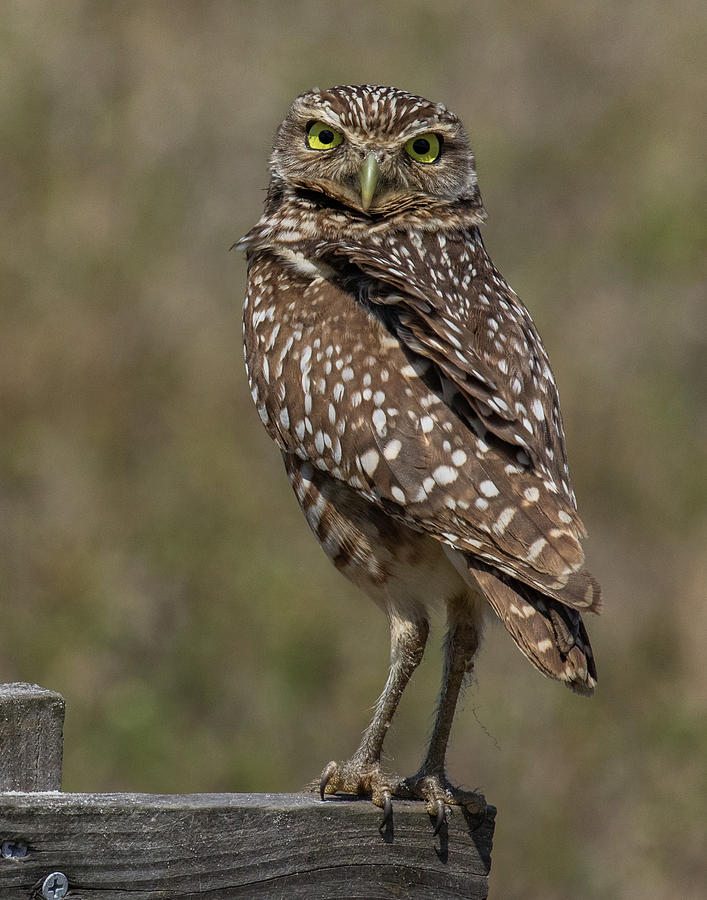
(31,738)
(215,846)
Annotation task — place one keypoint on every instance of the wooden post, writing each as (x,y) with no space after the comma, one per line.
(194,846)
(31,738)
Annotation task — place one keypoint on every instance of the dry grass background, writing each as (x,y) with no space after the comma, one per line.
(154,566)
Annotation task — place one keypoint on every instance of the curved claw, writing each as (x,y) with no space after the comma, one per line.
(439,818)
(326,778)
(387,813)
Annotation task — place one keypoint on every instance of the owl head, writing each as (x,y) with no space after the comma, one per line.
(375,152)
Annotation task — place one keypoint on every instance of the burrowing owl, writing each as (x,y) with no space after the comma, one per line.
(412,399)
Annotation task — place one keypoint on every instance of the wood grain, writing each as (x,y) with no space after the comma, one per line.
(31,738)
(141,846)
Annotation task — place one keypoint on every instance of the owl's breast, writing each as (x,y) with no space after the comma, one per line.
(312,353)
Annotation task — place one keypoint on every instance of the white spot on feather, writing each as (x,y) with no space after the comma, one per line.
(369,461)
(379,420)
(392,448)
(488,488)
(445,475)
(504,519)
(535,549)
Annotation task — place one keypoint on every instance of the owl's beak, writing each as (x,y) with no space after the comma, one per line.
(368,175)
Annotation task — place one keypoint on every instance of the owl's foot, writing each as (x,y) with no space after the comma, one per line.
(365,779)
(438,793)
(362,778)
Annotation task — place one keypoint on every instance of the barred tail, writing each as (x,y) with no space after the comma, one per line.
(552,636)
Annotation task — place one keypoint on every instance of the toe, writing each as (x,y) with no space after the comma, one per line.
(325,779)
(439,817)
(438,793)
(387,820)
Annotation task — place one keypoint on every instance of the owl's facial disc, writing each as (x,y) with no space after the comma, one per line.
(371,175)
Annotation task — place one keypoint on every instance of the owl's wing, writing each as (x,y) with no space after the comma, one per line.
(447,302)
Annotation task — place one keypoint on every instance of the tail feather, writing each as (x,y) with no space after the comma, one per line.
(552,636)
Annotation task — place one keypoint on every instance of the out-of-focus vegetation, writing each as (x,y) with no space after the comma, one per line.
(155,567)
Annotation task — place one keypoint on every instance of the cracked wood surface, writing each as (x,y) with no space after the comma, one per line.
(238,845)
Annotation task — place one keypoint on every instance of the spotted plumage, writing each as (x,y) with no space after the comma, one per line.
(413,401)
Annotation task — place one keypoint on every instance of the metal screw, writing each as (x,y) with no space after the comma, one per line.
(55,886)
(13,850)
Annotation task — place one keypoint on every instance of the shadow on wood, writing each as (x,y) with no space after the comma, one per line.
(187,846)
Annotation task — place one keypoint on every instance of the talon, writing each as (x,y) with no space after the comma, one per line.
(326,778)
(439,819)
(387,813)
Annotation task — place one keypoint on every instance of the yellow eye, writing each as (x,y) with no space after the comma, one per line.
(425,148)
(321,136)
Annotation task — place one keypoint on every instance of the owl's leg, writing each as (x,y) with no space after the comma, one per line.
(430,782)
(362,773)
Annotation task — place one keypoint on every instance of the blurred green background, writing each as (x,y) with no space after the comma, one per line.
(155,567)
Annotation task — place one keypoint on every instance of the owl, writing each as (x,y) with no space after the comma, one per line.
(413,402)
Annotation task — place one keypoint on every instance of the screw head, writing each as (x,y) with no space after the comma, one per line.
(55,886)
